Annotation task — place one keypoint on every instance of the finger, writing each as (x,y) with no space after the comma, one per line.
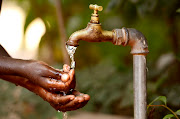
(56,85)
(70,84)
(77,93)
(59,75)
(55,98)
(54,73)
(65,77)
(72,107)
(71,73)
(86,97)
(72,77)
(66,68)
(42,82)
(70,104)
(80,105)
(77,100)
(61,100)
(51,84)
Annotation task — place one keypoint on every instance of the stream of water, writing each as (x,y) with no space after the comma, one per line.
(71,51)
(65,116)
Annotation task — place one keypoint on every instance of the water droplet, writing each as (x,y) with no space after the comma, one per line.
(71,90)
(64,93)
(65,115)
(59,111)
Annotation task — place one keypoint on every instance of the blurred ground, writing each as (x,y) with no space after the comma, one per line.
(88,115)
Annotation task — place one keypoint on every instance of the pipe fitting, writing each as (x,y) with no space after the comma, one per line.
(120,36)
(131,37)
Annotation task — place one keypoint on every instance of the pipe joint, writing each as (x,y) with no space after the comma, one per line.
(120,36)
(131,37)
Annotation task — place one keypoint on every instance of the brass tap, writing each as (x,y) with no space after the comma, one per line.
(93,32)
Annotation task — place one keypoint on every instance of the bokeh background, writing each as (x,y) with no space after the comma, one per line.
(35,29)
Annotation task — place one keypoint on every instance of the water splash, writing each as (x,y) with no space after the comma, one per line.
(71,51)
(65,115)
(64,93)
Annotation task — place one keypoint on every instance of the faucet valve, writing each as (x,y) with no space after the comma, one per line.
(95,16)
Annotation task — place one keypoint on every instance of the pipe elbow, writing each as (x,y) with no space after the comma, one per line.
(137,41)
(133,38)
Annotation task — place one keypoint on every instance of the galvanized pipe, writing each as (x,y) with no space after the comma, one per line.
(139,77)
(139,50)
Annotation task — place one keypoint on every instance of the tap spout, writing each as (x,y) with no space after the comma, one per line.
(92,33)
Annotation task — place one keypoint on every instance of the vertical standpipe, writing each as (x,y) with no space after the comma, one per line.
(139,50)
(139,78)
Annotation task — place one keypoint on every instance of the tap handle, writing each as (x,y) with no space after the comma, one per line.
(96,8)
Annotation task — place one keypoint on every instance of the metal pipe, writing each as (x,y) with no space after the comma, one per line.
(139,77)
(139,49)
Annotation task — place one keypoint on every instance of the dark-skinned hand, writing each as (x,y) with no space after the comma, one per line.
(69,102)
(43,80)
(79,101)
(39,73)
(49,78)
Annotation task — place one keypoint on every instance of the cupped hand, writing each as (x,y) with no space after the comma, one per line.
(69,102)
(79,101)
(49,78)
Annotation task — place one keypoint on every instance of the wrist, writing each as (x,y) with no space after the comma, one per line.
(11,66)
(23,66)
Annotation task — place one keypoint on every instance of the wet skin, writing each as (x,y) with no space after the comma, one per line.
(43,80)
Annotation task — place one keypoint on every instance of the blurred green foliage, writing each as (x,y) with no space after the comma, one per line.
(103,70)
(163,100)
